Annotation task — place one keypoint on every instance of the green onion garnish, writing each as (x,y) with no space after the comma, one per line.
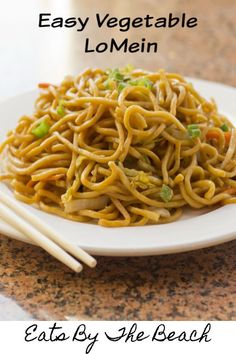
(224,127)
(166,193)
(193,131)
(121,86)
(116,75)
(107,84)
(128,69)
(61,109)
(41,130)
(143,81)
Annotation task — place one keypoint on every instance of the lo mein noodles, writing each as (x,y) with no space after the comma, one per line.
(121,147)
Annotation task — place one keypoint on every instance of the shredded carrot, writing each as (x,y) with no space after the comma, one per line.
(30,184)
(212,135)
(230,191)
(227,137)
(215,135)
(43,85)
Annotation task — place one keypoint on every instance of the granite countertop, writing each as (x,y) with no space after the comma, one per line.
(195,285)
(189,286)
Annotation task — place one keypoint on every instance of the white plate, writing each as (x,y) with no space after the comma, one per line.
(191,232)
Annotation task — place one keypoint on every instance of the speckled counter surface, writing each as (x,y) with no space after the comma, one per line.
(194,285)
(188,286)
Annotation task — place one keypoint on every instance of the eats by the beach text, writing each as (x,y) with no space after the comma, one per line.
(126,334)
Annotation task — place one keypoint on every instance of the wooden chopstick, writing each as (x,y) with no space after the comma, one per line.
(18,223)
(43,230)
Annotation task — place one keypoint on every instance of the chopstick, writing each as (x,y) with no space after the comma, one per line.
(49,246)
(43,235)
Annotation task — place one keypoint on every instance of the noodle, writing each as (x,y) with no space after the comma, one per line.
(121,147)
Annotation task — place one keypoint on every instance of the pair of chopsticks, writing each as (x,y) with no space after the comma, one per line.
(44,236)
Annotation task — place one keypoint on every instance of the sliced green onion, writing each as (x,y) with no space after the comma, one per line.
(193,131)
(146,159)
(143,177)
(224,127)
(116,75)
(121,86)
(128,69)
(41,130)
(61,109)
(166,193)
(108,84)
(143,81)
